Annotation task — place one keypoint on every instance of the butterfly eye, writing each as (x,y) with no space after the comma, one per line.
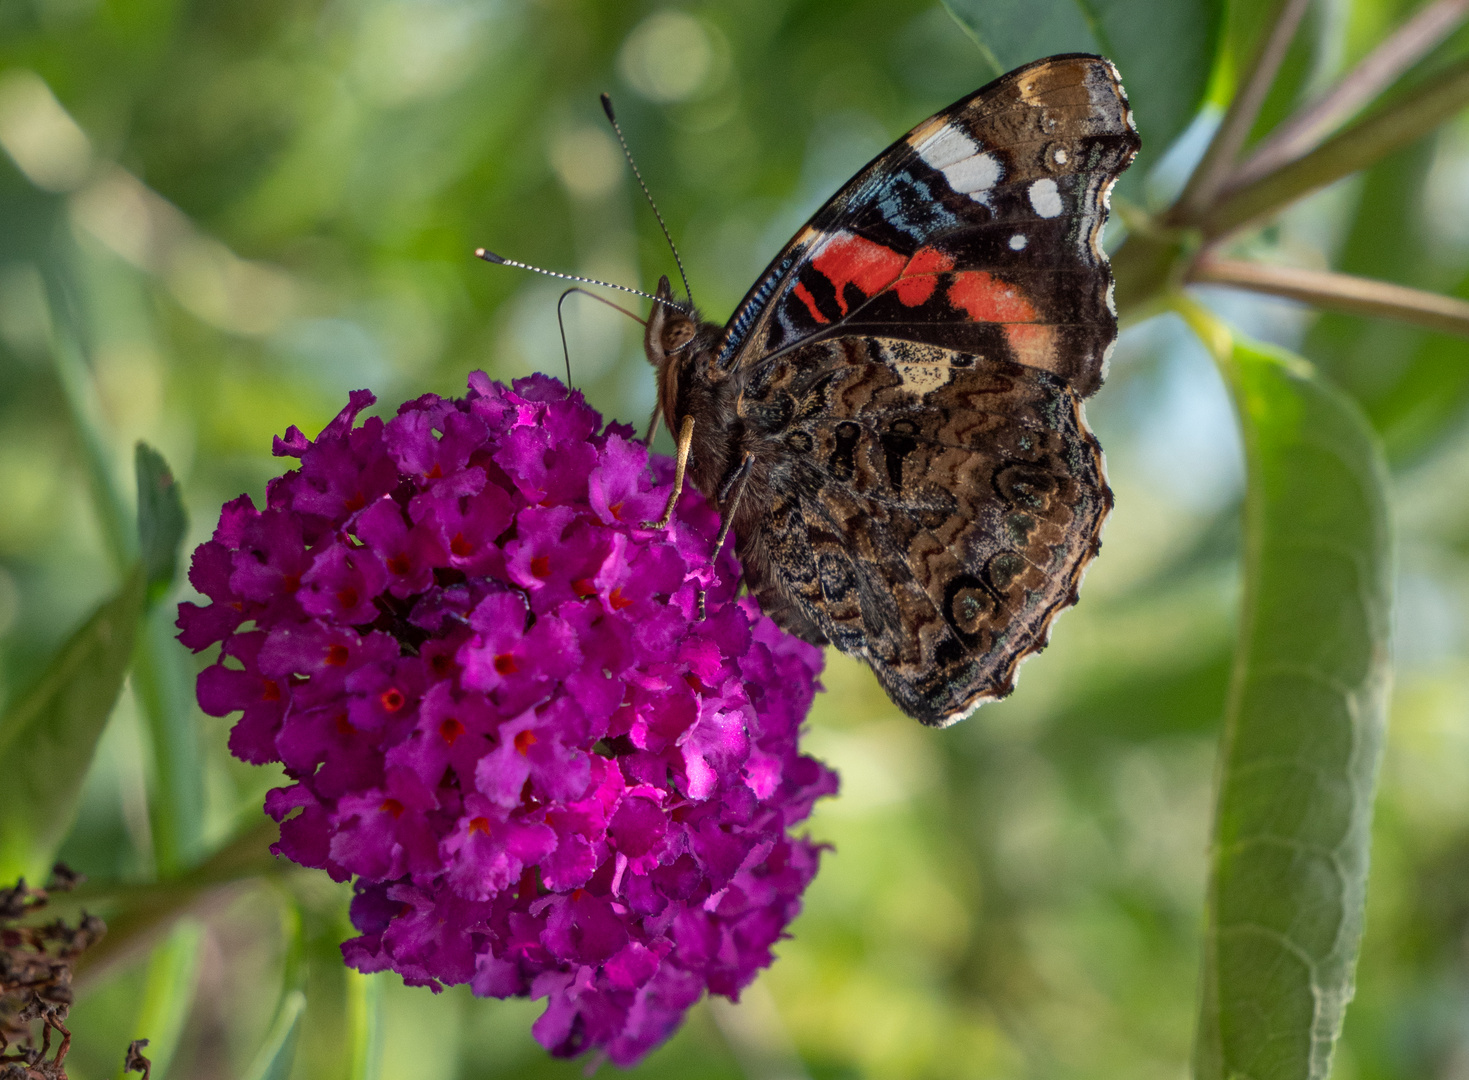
(677,334)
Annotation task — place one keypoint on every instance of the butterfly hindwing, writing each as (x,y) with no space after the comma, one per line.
(935,534)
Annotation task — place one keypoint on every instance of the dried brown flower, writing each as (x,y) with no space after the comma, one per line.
(36,961)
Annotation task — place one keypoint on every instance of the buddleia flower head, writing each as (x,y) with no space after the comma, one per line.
(504,715)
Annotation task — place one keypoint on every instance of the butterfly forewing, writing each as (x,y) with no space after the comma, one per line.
(978,231)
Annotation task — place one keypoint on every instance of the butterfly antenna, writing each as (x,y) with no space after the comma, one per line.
(490,257)
(565,350)
(627,153)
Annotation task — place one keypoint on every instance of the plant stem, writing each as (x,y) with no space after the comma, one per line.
(364,1027)
(138,915)
(1217,165)
(1407,119)
(1414,40)
(1338,292)
(80,393)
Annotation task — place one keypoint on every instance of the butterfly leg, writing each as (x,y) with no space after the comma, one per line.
(680,466)
(729,498)
(729,501)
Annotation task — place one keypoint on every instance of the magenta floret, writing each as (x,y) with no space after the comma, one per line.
(503,716)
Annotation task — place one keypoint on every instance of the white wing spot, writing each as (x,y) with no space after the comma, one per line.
(955,154)
(1017,242)
(974,176)
(1045,197)
(948,147)
(1060,157)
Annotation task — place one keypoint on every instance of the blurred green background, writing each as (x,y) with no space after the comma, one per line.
(238,210)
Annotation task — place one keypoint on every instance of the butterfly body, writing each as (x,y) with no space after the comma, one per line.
(892,419)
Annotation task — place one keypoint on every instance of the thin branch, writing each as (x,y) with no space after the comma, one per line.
(138,915)
(1406,120)
(1414,40)
(1338,292)
(1217,165)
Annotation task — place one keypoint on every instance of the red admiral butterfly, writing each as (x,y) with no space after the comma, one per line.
(892,419)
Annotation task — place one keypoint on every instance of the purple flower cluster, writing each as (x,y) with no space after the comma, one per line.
(503,715)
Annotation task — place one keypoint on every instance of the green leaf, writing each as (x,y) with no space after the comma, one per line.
(1426,402)
(1164,49)
(1246,28)
(1246,22)
(169,994)
(1015,34)
(1303,726)
(85,412)
(163,681)
(1412,385)
(276,1055)
(48,735)
(161,521)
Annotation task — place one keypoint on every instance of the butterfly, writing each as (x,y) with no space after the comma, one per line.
(891,421)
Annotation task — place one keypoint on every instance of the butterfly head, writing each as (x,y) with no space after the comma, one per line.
(671,325)
(678,344)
